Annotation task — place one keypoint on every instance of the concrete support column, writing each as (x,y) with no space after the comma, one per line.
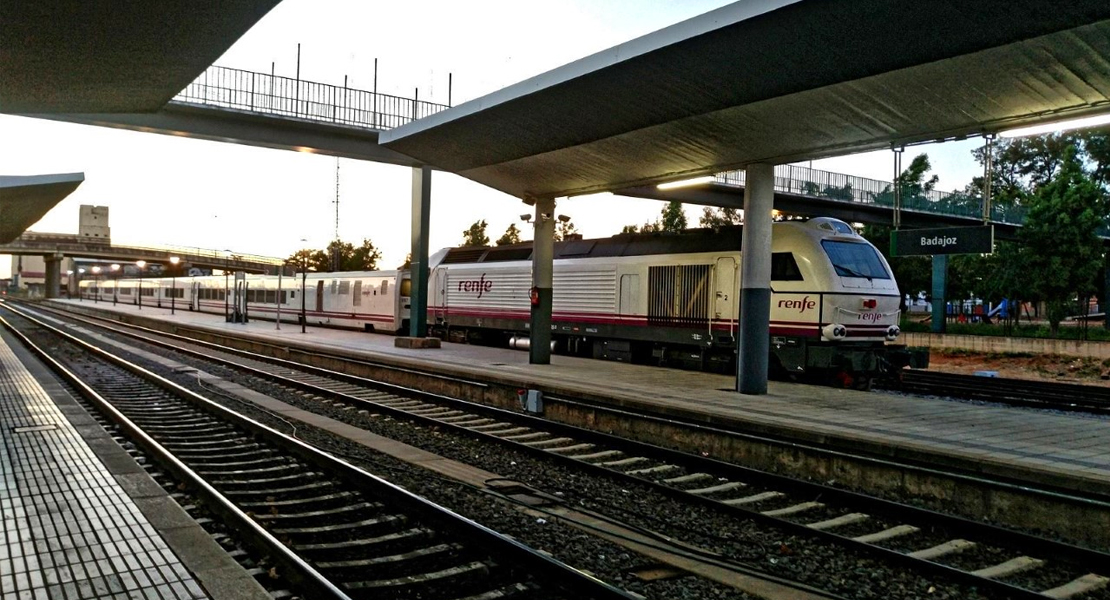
(421,218)
(755,280)
(543,253)
(940,286)
(53,276)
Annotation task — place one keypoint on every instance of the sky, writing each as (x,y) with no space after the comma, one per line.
(165,190)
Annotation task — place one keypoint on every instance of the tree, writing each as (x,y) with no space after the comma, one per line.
(511,236)
(672,217)
(365,257)
(716,218)
(301,258)
(630,229)
(1061,249)
(564,230)
(475,235)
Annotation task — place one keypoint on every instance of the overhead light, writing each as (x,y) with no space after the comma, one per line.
(1057,126)
(670,185)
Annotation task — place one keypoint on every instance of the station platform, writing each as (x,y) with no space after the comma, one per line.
(81,519)
(1066,451)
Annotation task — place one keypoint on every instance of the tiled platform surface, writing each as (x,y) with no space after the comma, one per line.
(1070,451)
(76,527)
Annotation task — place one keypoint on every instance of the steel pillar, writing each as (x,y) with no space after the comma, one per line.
(543,252)
(940,285)
(755,280)
(421,209)
(53,276)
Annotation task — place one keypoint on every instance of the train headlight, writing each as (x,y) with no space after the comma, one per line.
(834,331)
(893,332)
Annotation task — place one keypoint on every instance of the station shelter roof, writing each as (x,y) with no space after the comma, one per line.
(113,56)
(25,199)
(775,81)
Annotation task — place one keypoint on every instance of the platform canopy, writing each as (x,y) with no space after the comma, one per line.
(776,81)
(25,199)
(112,56)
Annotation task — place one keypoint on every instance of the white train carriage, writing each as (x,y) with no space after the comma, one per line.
(672,299)
(371,301)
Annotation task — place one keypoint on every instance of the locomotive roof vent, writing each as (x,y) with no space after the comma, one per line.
(831,224)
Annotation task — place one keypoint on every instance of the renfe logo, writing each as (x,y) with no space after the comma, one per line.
(802,305)
(873,317)
(476,285)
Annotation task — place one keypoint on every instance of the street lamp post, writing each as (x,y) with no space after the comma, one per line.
(96,284)
(173,281)
(304,286)
(140,264)
(115,284)
(70,284)
(227,263)
(80,296)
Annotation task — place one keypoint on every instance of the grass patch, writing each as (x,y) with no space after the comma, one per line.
(1094,333)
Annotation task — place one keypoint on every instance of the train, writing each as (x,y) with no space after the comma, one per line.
(657,298)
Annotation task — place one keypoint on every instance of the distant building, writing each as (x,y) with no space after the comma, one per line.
(93,225)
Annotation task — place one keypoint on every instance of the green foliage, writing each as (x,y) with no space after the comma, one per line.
(673,218)
(1060,248)
(338,256)
(630,229)
(511,236)
(365,257)
(565,230)
(716,218)
(1020,330)
(475,235)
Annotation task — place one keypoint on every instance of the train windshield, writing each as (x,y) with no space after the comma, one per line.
(853,259)
(406,287)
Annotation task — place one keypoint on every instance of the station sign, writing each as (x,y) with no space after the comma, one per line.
(944,240)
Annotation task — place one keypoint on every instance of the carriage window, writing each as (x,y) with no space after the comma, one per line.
(854,259)
(271,297)
(784,267)
(385,287)
(357,300)
(284,297)
(334,286)
(344,288)
(125,291)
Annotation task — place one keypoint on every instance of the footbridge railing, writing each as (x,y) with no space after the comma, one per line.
(826,185)
(269,94)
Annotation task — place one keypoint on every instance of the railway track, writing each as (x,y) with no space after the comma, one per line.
(1015,392)
(1013,564)
(336,531)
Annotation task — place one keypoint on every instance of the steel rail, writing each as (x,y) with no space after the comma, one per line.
(1000,536)
(479,535)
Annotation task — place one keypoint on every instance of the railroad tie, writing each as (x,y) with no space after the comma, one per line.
(886,534)
(548,442)
(429,412)
(571,449)
(526,436)
(751,499)
(506,432)
(688,478)
(1087,583)
(939,550)
(492,427)
(597,455)
(1010,567)
(840,521)
(474,422)
(792,510)
(455,420)
(623,462)
(653,470)
(713,489)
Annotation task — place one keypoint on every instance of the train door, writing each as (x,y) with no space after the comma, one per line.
(630,291)
(320,296)
(724,308)
(439,302)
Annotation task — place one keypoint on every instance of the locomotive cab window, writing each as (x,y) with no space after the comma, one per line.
(853,259)
(784,267)
(406,287)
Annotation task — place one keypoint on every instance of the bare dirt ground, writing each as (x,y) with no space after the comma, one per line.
(1087,371)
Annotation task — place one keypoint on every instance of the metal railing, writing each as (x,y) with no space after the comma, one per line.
(270,94)
(815,183)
